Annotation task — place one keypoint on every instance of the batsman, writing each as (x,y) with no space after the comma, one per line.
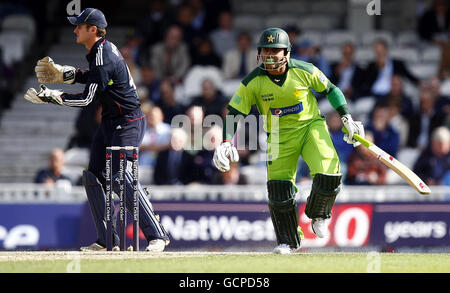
(281,88)
(109,81)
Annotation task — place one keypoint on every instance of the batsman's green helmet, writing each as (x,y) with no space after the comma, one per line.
(274,38)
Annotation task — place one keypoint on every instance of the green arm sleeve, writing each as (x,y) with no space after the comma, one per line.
(228,132)
(337,99)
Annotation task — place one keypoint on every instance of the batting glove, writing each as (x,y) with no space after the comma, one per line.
(223,154)
(353,127)
(44,96)
(49,72)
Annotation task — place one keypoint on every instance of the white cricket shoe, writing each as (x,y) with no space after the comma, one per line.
(320,227)
(283,249)
(93,247)
(156,245)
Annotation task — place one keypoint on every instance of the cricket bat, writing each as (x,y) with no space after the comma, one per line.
(391,162)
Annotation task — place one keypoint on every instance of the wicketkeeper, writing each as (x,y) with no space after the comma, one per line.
(281,88)
(123,123)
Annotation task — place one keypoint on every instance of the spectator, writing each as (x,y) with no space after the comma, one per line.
(378,75)
(199,163)
(364,168)
(311,53)
(224,37)
(205,55)
(87,122)
(423,122)
(194,130)
(211,99)
(293,32)
(169,166)
(383,134)
(170,59)
(434,21)
(130,52)
(151,83)
(184,21)
(152,26)
(53,173)
(231,177)
(401,107)
(167,101)
(442,104)
(156,137)
(199,16)
(434,161)
(397,97)
(6,94)
(347,74)
(240,61)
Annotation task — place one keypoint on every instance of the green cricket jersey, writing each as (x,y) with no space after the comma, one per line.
(287,96)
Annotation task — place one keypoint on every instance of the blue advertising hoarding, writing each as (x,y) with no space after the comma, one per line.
(223,225)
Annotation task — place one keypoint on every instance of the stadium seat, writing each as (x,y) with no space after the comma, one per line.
(337,38)
(332,54)
(330,7)
(249,23)
(13,45)
(405,54)
(314,37)
(368,38)
(431,54)
(195,76)
(364,55)
(229,87)
(292,7)
(424,70)
(255,7)
(280,20)
(317,22)
(362,107)
(22,24)
(407,38)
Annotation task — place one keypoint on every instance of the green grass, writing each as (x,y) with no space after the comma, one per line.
(237,263)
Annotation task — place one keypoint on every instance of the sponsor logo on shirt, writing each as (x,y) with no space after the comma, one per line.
(280,112)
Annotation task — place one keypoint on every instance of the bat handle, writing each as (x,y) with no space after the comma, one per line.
(356,136)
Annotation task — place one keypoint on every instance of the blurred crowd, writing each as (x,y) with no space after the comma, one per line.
(175,36)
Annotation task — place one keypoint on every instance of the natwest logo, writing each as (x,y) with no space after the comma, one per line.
(20,235)
(214,228)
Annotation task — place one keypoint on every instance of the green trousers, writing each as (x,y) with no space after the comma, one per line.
(312,142)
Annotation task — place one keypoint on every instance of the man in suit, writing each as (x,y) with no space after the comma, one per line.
(378,74)
(240,61)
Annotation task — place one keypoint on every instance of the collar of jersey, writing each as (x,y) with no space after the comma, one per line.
(93,50)
(281,78)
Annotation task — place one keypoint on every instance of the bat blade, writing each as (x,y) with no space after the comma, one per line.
(391,162)
(399,168)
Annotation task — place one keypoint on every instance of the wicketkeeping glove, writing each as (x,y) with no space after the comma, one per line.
(49,72)
(44,96)
(353,127)
(223,154)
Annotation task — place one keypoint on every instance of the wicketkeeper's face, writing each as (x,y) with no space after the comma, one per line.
(83,33)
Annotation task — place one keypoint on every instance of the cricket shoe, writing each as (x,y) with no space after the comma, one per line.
(93,247)
(284,249)
(157,245)
(320,227)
